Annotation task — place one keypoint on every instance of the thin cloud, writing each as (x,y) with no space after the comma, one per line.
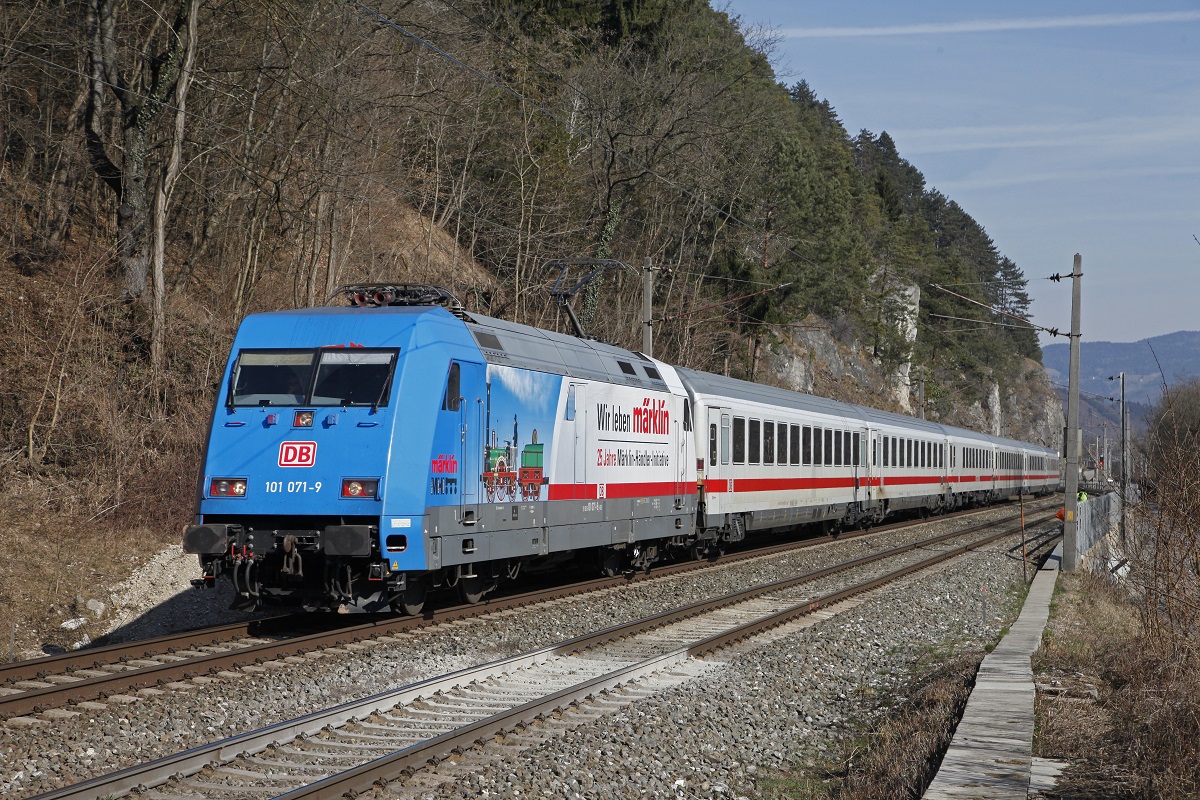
(1122,135)
(1108,175)
(994,25)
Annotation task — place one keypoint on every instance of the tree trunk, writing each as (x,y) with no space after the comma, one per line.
(141,90)
(165,187)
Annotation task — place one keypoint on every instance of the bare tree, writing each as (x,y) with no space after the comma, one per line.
(140,70)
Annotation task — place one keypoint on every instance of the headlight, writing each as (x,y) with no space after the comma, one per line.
(360,488)
(227,487)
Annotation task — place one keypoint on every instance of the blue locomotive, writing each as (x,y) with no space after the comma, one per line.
(360,456)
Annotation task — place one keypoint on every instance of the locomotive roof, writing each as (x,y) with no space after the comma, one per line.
(504,342)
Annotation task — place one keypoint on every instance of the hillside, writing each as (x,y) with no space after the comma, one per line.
(233,158)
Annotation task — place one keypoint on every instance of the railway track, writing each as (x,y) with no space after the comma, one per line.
(397,734)
(117,671)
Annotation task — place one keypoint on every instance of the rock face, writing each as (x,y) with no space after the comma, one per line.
(813,361)
(1033,409)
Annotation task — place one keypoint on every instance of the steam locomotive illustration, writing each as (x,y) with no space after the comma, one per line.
(362,455)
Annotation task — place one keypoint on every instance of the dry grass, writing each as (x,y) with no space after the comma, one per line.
(55,565)
(1111,703)
(899,757)
(98,459)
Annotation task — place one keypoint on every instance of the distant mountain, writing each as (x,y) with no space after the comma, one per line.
(1147,363)
(1178,357)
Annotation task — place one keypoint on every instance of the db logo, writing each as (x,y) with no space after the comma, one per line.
(297,454)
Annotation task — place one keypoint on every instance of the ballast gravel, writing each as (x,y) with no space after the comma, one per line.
(776,702)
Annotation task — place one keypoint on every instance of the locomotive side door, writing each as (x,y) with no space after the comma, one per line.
(683,435)
(576,413)
(453,472)
(472,393)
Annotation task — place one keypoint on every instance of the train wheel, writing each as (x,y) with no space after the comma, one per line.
(412,600)
(472,589)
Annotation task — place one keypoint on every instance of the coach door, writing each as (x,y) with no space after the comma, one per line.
(866,492)
(718,482)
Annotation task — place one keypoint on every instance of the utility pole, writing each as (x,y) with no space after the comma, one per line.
(647,308)
(1071,521)
(1124,452)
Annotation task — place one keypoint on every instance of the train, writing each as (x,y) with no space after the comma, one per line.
(365,454)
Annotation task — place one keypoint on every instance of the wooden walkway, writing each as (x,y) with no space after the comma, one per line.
(991,754)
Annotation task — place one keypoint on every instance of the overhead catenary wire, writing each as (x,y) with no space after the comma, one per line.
(994,310)
(726,302)
(983,322)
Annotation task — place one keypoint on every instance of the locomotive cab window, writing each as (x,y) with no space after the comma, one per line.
(318,377)
(353,378)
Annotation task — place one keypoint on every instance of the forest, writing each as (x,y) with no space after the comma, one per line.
(169,166)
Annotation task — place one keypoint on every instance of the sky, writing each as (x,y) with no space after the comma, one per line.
(1060,127)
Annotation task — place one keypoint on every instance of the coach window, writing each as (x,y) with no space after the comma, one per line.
(724,438)
(712,444)
(769,442)
(794,435)
(781,443)
(856,443)
(837,448)
(739,440)
(828,451)
(924,455)
(807,445)
(887,461)
(755,440)
(818,438)
(848,451)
